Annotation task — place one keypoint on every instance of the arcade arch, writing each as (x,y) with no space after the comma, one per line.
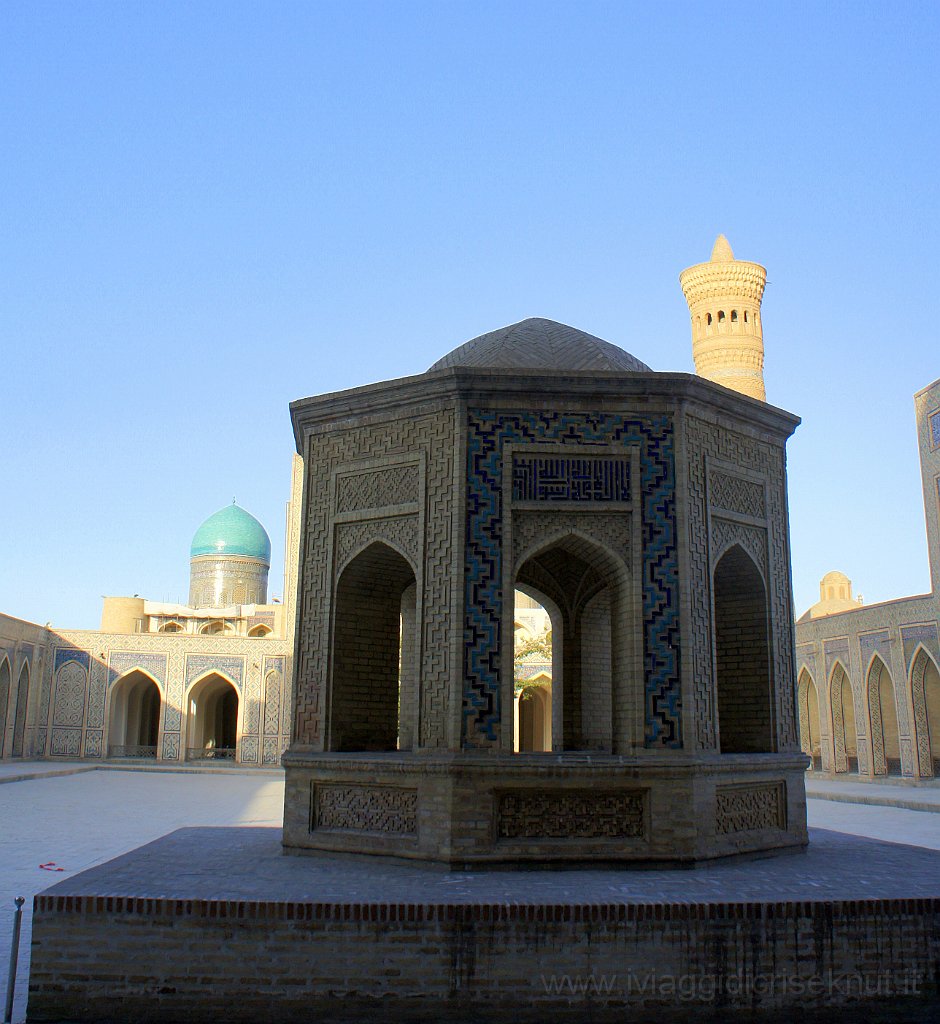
(212,719)
(4,700)
(134,720)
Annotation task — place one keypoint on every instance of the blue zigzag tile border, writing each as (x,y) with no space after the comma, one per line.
(487,432)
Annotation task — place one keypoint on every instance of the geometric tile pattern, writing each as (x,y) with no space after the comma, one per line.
(64,654)
(912,636)
(120,662)
(935,430)
(197,664)
(488,432)
(549,478)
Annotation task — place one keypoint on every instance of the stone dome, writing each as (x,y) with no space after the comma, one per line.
(835,577)
(537,344)
(232,531)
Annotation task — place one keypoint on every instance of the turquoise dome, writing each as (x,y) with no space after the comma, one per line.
(232,531)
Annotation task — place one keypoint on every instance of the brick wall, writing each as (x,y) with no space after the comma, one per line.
(99,958)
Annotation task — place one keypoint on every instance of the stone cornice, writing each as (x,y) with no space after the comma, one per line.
(573,390)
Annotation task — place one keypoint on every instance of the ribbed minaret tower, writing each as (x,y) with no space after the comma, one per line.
(724,297)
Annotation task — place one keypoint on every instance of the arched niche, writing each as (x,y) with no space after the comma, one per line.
(808,706)
(925,692)
(373,698)
(844,732)
(883,715)
(742,656)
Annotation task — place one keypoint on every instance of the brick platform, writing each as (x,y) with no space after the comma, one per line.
(212,923)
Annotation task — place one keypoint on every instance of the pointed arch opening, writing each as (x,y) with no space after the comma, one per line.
(5,679)
(742,656)
(260,630)
(808,706)
(212,714)
(533,657)
(844,733)
(586,590)
(134,721)
(374,695)
(19,711)
(534,717)
(883,714)
(925,690)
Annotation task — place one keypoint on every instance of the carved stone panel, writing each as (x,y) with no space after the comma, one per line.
(379,488)
(610,530)
(391,810)
(734,493)
(571,814)
(750,808)
(753,539)
(400,532)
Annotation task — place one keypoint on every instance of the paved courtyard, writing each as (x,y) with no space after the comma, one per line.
(76,821)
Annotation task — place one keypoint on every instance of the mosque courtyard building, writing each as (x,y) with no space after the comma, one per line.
(868,685)
(206,682)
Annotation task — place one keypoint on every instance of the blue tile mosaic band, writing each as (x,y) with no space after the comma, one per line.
(548,478)
(935,429)
(488,431)
(200,664)
(123,661)
(64,654)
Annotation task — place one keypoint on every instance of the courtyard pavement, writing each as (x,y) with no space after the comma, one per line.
(81,819)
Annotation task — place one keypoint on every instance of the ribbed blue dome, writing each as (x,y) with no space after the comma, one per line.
(232,531)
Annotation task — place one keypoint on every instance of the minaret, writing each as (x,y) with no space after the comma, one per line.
(724,297)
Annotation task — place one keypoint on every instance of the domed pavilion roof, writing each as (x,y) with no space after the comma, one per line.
(537,344)
(232,531)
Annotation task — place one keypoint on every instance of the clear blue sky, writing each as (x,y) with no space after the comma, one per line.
(210,209)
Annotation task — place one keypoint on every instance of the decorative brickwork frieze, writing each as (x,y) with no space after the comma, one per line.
(735,494)
(571,814)
(531,529)
(378,488)
(391,810)
(766,460)
(488,432)
(753,539)
(400,532)
(750,808)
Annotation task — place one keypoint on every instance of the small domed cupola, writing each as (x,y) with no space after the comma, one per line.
(539,344)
